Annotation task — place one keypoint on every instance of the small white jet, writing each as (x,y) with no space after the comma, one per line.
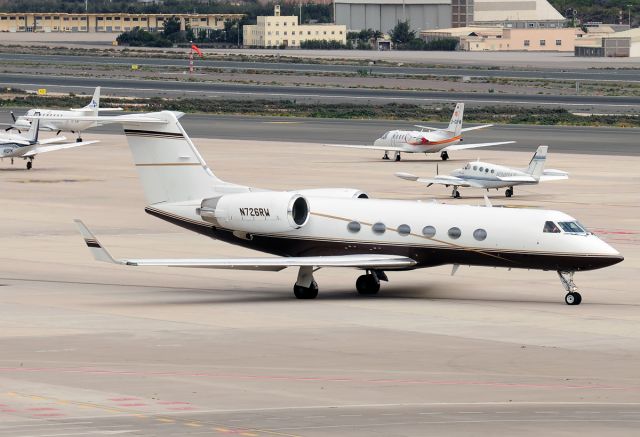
(432,141)
(342,227)
(28,146)
(73,120)
(486,175)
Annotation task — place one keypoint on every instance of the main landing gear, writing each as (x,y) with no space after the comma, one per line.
(79,139)
(572,297)
(397,157)
(444,155)
(455,193)
(307,288)
(29,163)
(385,156)
(369,284)
(509,192)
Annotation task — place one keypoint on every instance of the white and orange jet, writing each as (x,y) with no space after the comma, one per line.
(426,140)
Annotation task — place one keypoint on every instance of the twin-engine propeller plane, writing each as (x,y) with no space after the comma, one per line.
(74,120)
(432,141)
(486,175)
(28,146)
(337,227)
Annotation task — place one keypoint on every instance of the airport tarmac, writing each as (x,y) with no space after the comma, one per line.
(97,349)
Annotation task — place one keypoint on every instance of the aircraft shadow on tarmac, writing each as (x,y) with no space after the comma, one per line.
(223,297)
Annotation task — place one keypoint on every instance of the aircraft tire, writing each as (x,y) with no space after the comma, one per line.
(29,165)
(367,285)
(509,192)
(573,298)
(306,292)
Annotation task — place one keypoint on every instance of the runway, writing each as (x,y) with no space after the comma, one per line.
(601,75)
(91,348)
(561,139)
(166,88)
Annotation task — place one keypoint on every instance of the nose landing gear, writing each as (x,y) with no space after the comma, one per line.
(572,297)
(455,193)
(444,155)
(509,192)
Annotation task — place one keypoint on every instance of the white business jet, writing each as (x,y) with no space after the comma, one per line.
(74,120)
(28,146)
(340,227)
(432,141)
(486,175)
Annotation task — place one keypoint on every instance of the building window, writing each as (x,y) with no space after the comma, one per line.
(308,32)
(277,32)
(285,32)
(543,43)
(527,43)
(558,42)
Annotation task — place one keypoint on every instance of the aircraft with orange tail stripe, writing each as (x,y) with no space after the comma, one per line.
(426,140)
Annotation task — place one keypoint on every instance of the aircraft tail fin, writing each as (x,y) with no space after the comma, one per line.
(455,125)
(169,166)
(32,134)
(536,165)
(94,104)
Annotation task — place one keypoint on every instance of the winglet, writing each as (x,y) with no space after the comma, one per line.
(406,176)
(98,252)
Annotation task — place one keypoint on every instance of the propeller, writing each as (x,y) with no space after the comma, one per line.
(13,116)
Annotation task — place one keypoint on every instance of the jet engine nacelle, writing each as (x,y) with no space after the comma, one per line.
(257,212)
(340,193)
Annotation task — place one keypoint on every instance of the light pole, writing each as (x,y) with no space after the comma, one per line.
(629,8)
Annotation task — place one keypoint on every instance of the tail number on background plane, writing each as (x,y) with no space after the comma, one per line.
(254,212)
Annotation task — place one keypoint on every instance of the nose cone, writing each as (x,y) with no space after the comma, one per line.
(605,256)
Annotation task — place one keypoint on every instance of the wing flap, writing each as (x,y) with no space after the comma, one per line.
(387,262)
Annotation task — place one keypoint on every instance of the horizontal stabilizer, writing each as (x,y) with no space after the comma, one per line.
(36,150)
(463,146)
(517,178)
(354,146)
(407,176)
(426,127)
(52,140)
(466,129)
(365,261)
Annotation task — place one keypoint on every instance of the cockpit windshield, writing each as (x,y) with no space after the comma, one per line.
(572,227)
(550,227)
(386,134)
(568,227)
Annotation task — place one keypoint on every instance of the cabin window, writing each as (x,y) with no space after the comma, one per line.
(378,228)
(475,167)
(480,234)
(486,170)
(550,227)
(454,233)
(429,231)
(572,227)
(481,168)
(492,171)
(353,227)
(404,230)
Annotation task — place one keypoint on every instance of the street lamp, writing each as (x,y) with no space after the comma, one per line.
(629,8)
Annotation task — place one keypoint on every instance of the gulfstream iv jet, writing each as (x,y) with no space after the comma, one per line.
(426,140)
(339,227)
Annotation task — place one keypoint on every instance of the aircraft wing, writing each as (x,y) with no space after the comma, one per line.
(462,146)
(99,109)
(355,146)
(52,140)
(466,129)
(439,179)
(106,119)
(365,261)
(38,149)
